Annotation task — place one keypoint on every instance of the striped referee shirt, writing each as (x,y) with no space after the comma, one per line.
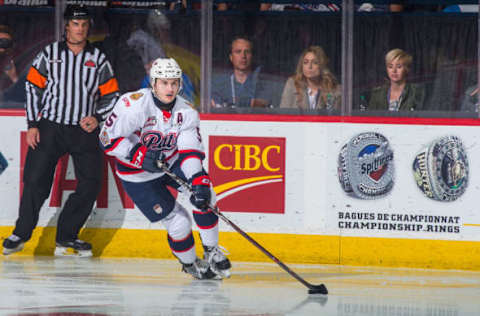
(63,88)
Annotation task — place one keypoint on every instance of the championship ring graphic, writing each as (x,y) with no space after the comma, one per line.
(441,169)
(365,166)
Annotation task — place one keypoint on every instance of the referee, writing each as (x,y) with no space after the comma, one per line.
(70,89)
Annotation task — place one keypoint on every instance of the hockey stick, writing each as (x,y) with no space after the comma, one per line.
(312,289)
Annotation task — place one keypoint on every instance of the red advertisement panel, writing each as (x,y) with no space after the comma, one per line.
(248,173)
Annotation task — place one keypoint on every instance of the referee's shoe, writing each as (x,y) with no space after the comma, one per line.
(75,248)
(12,244)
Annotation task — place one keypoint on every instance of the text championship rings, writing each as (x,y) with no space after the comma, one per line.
(441,169)
(365,166)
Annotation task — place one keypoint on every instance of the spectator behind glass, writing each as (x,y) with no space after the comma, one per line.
(243,87)
(397,94)
(126,62)
(9,72)
(12,86)
(470,100)
(312,86)
(148,44)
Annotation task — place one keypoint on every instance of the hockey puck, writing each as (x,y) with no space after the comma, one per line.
(318,289)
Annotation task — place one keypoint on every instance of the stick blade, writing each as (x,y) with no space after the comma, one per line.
(318,289)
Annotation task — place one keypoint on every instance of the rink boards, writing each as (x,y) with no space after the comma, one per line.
(362,191)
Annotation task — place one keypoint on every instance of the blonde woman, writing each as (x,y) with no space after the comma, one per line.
(397,94)
(312,86)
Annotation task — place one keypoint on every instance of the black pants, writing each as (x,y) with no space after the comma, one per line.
(55,141)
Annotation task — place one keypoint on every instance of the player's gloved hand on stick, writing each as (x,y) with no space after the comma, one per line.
(144,158)
(201,195)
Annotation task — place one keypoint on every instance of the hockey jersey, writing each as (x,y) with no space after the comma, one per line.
(137,119)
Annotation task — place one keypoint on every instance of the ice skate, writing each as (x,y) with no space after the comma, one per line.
(77,248)
(12,244)
(219,263)
(199,270)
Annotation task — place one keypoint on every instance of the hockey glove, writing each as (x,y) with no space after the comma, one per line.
(201,195)
(145,159)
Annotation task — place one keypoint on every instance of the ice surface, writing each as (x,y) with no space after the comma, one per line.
(80,286)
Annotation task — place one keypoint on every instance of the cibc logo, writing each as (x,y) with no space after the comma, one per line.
(248,173)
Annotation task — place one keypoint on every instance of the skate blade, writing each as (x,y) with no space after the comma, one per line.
(217,277)
(221,274)
(70,252)
(224,273)
(7,251)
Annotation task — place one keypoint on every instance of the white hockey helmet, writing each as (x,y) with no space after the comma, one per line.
(165,68)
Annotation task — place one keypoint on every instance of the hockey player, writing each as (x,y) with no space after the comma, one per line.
(155,124)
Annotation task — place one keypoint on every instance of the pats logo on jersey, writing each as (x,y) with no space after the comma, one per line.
(365,166)
(246,170)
